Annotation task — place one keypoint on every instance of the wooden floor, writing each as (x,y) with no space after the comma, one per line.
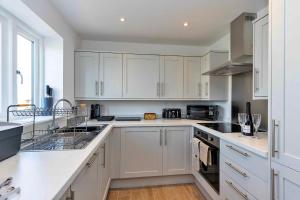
(169,192)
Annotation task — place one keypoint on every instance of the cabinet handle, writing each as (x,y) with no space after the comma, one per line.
(274,126)
(102,87)
(236,169)
(199,89)
(238,151)
(72,197)
(104,155)
(166,135)
(92,160)
(206,88)
(160,137)
(256,80)
(237,190)
(273,174)
(158,89)
(97,88)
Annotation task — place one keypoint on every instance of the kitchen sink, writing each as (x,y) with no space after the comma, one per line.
(64,139)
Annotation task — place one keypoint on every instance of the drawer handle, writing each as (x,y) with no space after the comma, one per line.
(92,160)
(238,151)
(237,190)
(236,169)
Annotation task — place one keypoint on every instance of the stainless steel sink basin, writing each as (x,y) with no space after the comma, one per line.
(69,138)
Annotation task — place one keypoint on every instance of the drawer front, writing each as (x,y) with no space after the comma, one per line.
(230,190)
(250,161)
(254,185)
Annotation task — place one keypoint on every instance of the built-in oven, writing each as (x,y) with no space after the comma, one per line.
(210,172)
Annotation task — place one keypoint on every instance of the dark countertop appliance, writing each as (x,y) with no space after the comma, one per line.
(171,113)
(223,127)
(10,139)
(95,111)
(202,112)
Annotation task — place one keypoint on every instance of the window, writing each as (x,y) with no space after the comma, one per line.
(21,66)
(24,70)
(27,77)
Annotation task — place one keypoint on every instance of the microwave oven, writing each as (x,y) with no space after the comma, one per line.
(202,112)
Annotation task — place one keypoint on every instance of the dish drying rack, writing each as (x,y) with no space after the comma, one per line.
(18,113)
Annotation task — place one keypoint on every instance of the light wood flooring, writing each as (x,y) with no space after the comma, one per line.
(168,192)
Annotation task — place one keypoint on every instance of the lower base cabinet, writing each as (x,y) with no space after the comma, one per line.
(92,183)
(154,151)
(86,185)
(285,183)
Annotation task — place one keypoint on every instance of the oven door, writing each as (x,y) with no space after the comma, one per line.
(211,172)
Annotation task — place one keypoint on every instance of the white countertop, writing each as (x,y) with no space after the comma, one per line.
(47,175)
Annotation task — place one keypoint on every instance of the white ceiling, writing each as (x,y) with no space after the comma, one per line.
(154,21)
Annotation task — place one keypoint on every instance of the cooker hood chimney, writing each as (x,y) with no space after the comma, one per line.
(241,47)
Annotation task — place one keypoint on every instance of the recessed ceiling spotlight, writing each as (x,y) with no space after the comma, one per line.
(185,24)
(122,19)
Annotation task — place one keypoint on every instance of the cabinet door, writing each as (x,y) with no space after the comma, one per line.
(171,77)
(176,151)
(86,75)
(103,169)
(192,77)
(141,76)
(285,82)
(86,185)
(111,69)
(260,65)
(141,152)
(286,183)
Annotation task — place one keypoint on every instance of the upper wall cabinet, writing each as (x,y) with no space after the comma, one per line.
(98,75)
(86,75)
(141,76)
(171,77)
(111,69)
(214,87)
(260,61)
(192,77)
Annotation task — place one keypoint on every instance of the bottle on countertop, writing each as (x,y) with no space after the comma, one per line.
(248,129)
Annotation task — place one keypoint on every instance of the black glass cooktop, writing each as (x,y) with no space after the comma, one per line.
(223,127)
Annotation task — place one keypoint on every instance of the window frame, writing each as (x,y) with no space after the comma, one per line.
(37,64)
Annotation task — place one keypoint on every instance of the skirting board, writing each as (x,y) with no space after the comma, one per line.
(151,181)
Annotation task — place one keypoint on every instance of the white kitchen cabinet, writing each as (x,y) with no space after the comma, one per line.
(141,76)
(104,168)
(86,75)
(111,71)
(86,185)
(285,82)
(141,152)
(285,183)
(171,77)
(192,77)
(176,151)
(260,58)
(213,87)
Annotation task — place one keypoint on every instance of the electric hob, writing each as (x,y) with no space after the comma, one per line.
(223,127)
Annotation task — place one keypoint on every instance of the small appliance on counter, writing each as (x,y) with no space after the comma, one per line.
(171,113)
(128,118)
(150,116)
(95,111)
(202,112)
(48,101)
(10,139)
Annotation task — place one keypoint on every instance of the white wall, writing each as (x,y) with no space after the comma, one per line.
(143,48)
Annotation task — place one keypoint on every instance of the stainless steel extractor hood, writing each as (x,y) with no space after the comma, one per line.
(241,47)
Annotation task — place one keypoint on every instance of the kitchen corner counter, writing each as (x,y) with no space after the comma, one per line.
(48,174)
